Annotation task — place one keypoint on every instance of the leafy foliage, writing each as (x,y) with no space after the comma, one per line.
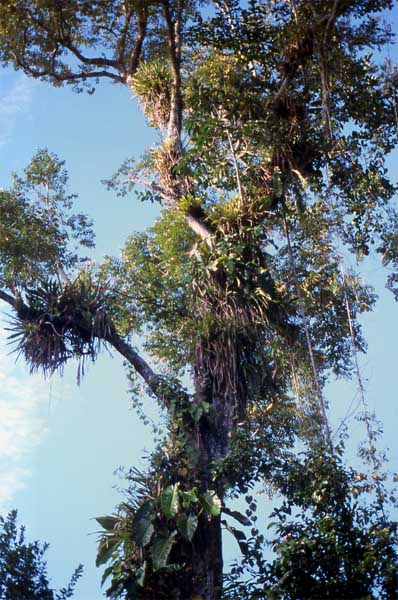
(36,36)
(152,85)
(23,572)
(38,231)
(333,540)
(153,289)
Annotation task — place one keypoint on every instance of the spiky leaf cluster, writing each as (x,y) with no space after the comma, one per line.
(59,322)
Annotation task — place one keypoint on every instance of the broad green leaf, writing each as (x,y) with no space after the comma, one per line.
(106,573)
(106,548)
(198,410)
(190,496)
(212,504)
(169,501)
(161,548)
(187,526)
(143,523)
(107,522)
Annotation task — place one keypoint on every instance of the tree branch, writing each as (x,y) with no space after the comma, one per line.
(65,40)
(196,223)
(9,299)
(96,61)
(174,35)
(121,40)
(154,381)
(136,53)
(36,74)
(325,23)
(200,228)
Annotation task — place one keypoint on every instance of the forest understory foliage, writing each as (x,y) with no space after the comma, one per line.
(274,120)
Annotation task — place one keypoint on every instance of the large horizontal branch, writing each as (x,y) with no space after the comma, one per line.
(95,61)
(64,76)
(64,40)
(155,382)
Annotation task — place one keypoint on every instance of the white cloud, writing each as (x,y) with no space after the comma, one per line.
(16,98)
(23,422)
(11,481)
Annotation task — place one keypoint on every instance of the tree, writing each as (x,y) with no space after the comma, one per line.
(23,571)
(274,120)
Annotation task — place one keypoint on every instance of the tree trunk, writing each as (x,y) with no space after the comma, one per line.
(212,444)
(207,563)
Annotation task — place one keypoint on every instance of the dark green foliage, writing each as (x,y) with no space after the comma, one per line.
(153,283)
(341,549)
(150,539)
(26,241)
(23,571)
(38,231)
(333,539)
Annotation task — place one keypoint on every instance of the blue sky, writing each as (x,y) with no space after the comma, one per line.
(59,443)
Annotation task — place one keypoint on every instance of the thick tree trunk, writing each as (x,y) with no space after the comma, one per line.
(202,576)
(212,444)
(207,563)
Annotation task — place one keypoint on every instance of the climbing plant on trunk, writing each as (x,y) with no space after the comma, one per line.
(274,122)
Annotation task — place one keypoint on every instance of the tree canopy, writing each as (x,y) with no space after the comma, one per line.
(275,118)
(23,571)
